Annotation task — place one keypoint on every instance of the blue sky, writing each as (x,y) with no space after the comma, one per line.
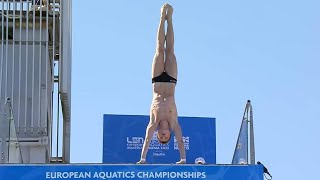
(227,52)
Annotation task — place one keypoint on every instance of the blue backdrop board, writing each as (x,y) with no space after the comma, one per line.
(123,137)
(155,172)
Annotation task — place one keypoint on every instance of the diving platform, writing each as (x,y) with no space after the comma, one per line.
(130,171)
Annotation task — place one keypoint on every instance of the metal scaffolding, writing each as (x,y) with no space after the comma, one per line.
(35,74)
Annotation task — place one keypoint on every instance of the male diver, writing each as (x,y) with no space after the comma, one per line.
(163,111)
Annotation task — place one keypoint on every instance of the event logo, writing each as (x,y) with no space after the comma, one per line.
(136,142)
(186,141)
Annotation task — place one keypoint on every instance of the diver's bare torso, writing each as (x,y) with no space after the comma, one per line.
(163,104)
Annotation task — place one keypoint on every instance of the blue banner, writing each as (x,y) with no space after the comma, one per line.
(155,172)
(123,137)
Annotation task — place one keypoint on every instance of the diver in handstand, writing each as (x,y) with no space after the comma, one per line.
(163,111)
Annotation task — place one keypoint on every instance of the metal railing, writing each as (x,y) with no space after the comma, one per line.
(10,145)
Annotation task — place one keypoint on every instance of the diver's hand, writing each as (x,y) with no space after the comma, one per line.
(182,161)
(142,161)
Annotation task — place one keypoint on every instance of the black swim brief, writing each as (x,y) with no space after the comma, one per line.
(164,77)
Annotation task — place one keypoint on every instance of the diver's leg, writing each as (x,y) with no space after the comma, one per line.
(158,60)
(170,62)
